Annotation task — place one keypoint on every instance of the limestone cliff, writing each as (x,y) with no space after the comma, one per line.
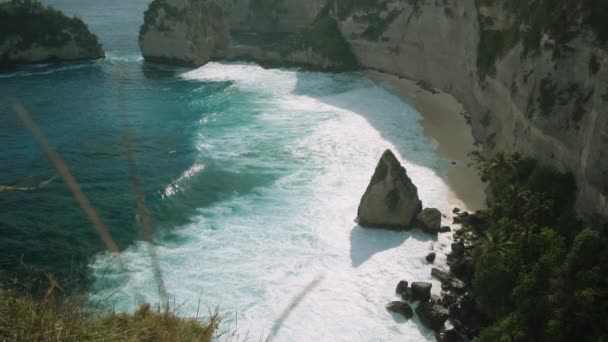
(532,75)
(319,45)
(33,33)
(191,32)
(183,32)
(272,15)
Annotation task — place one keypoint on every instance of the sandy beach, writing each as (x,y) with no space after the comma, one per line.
(444,122)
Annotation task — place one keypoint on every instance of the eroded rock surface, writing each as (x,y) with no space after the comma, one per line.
(183,32)
(391,199)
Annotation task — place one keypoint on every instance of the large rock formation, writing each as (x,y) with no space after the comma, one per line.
(33,33)
(183,32)
(391,199)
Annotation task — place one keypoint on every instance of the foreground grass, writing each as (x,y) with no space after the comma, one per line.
(23,318)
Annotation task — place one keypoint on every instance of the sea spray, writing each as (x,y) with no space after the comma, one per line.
(307,143)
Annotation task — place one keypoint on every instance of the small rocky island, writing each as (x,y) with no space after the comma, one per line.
(391,200)
(31,32)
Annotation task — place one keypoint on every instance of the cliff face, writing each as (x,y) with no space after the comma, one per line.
(272,15)
(191,32)
(533,83)
(183,32)
(531,75)
(33,33)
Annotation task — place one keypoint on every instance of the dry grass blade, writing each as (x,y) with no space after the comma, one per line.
(70,181)
(142,209)
(289,309)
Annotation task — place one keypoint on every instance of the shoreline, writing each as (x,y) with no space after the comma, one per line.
(443,121)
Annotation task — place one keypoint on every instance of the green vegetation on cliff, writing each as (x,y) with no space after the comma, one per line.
(324,38)
(151,15)
(528,21)
(36,24)
(538,274)
(23,318)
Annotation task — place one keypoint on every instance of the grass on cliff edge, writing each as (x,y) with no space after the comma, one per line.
(23,318)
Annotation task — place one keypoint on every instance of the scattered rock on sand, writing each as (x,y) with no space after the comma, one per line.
(432,315)
(445,229)
(429,220)
(391,199)
(421,291)
(402,308)
(402,287)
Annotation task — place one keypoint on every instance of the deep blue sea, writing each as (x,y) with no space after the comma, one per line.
(252,176)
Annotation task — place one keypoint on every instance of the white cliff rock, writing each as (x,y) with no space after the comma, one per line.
(391,199)
(183,32)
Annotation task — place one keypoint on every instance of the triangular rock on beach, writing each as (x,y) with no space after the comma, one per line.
(391,199)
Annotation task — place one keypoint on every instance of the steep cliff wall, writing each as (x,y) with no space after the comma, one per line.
(532,77)
(531,74)
(183,32)
(272,15)
(191,32)
(33,33)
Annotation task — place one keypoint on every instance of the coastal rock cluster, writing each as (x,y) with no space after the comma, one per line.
(34,33)
(391,200)
(456,303)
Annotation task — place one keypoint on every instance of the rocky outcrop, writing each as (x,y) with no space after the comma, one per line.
(421,291)
(33,33)
(533,81)
(432,315)
(429,220)
(402,308)
(183,32)
(391,199)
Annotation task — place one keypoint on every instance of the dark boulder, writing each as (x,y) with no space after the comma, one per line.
(402,308)
(421,291)
(451,335)
(458,248)
(429,220)
(431,257)
(432,316)
(445,229)
(442,276)
(402,287)
(448,282)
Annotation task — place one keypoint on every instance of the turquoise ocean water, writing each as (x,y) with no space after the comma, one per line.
(253,177)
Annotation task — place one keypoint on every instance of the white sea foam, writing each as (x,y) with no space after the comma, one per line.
(174,187)
(251,254)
